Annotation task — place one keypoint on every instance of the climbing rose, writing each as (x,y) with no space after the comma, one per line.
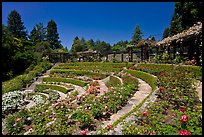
(184,118)
(83,132)
(144,113)
(182,110)
(161,89)
(109,126)
(184,132)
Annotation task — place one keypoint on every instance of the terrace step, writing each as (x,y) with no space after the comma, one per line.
(143,91)
(199,90)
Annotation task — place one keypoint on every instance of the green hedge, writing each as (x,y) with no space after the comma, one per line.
(113,81)
(66,80)
(41,87)
(78,72)
(22,80)
(151,80)
(101,64)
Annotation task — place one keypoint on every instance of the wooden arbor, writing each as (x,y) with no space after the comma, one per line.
(88,55)
(188,43)
(144,45)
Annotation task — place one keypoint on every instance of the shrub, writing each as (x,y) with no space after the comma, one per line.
(12,101)
(22,80)
(41,87)
(67,80)
(151,80)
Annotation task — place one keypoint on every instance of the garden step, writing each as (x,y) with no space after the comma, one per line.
(125,109)
(199,90)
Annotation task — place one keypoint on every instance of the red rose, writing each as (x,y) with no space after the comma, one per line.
(161,89)
(83,132)
(144,113)
(184,132)
(109,126)
(184,118)
(182,110)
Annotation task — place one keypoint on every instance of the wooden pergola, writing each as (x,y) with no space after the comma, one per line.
(144,45)
(87,55)
(187,43)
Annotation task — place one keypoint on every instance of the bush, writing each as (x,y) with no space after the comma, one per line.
(151,80)
(22,80)
(12,101)
(41,87)
(67,80)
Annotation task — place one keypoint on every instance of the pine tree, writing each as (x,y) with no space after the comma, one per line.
(166,33)
(137,35)
(52,35)
(38,33)
(15,25)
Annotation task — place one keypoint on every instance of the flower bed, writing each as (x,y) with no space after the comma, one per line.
(78,73)
(176,110)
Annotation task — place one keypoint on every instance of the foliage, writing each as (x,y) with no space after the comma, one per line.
(12,101)
(67,80)
(113,82)
(15,25)
(151,80)
(52,35)
(176,97)
(22,80)
(38,33)
(166,33)
(38,99)
(41,87)
(137,35)
(16,123)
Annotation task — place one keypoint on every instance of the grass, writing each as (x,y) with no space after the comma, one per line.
(41,87)
(66,80)
(151,80)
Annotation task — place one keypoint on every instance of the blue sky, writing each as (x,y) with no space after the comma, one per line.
(106,21)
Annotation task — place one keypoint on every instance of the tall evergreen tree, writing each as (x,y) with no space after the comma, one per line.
(137,35)
(16,26)
(90,44)
(38,33)
(52,35)
(166,33)
(83,44)
(76,46)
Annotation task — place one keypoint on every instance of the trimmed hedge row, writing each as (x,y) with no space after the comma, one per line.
(101,64)
(151,80)
(41,87)
(113,81)
(22,80)
(78,73)
(91,68)
(66,80)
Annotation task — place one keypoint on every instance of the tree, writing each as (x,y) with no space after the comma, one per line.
(175,26)
(83,44)
(52,35)
(189,13)
(137,35)
(166,33)
(185,15)
(38,33)
(15,25)
(76,46)
(90,44)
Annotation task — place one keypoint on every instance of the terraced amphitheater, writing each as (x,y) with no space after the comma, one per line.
(105,98)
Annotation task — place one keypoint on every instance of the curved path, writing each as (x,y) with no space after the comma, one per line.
(143,91)
(199,90)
